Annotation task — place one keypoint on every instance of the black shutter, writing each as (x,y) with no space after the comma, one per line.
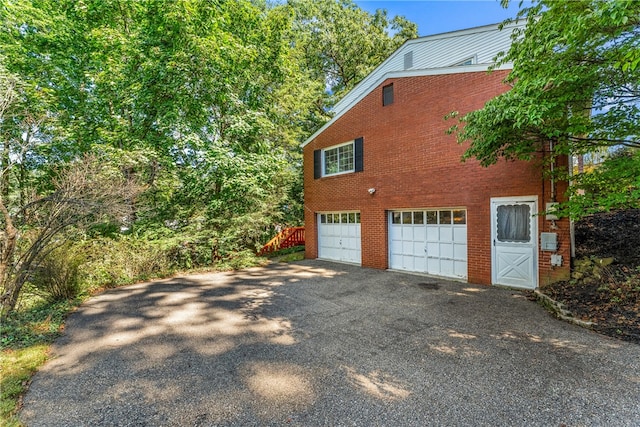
(358,154)
(317,164)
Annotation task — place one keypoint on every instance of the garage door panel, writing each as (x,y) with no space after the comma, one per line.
(433,265)
(350,243)
(433,249)
(352,256)
(460,235)
(446,234)
(460,252)
(446,267)
(405,262)
(433,233)
(446,250)
(407,234)
(418,249)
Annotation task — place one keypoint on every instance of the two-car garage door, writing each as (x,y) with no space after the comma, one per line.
(429,241)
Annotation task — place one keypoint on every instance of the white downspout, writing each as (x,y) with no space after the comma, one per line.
(572,234)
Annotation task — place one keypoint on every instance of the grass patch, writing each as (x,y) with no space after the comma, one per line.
(295,256)
(295,253)
(16,368)
(38,324)
(25,337)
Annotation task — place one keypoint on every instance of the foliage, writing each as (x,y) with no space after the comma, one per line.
(25,336)
(615,184)
(86,192)
(295,253)
(24,341)
(39,322)
(341,43)
(178,123)
(17,367)
(575,82)
(57,277)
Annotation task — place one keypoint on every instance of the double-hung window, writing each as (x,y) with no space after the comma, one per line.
(338,159)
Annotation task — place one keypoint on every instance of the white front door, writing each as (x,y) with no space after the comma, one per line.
(339,237)
(514,248)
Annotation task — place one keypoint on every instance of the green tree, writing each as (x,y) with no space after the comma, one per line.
(575,84)
(199,104)
(339,44)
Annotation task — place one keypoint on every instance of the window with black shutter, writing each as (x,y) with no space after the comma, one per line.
(338,159)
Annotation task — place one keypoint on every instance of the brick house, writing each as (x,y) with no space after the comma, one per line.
(385,186)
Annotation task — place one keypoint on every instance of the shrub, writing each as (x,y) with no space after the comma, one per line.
(57,277)
(120,261)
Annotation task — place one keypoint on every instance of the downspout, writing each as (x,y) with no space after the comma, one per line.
(572,234)
(553,161)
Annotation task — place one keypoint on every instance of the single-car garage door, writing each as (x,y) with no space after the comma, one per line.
(339,236)
(432,241)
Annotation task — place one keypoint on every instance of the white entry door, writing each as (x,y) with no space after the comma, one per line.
(339,237)
(514,250)
(432,241)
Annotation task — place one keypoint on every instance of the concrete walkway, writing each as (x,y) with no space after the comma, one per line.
(315,343)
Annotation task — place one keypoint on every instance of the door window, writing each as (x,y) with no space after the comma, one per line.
(514,223)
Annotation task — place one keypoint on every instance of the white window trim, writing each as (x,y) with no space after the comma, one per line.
(333,147)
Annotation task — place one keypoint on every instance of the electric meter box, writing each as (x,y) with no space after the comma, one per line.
(549,241)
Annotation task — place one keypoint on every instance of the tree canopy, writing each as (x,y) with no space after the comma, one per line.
(199,105)
(576,83)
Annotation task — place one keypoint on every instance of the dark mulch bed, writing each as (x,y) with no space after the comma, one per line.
(607,295)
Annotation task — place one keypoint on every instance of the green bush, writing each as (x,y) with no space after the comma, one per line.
(241,259)
(187,252)
(57,277)
(120,261)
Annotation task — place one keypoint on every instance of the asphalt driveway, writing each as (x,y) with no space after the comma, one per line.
(315,343)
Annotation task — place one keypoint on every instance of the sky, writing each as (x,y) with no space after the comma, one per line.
(434,17)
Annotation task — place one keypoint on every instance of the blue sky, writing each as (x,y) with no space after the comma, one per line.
(435,17)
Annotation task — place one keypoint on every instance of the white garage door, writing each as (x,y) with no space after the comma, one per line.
(339,237)
(429,241)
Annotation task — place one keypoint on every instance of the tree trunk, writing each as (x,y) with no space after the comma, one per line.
(10,291)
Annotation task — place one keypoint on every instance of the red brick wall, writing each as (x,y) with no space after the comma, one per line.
(412,163)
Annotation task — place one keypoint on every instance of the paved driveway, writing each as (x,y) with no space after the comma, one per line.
(314,343)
